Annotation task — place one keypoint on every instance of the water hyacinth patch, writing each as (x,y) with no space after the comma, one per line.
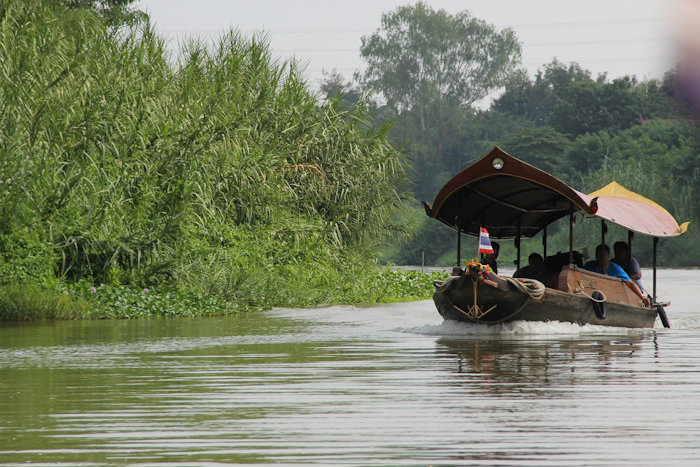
(354,285)
(123,302)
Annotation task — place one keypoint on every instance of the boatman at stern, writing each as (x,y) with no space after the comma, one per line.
(603,265)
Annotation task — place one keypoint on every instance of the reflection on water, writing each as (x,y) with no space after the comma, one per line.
(376,385)
(511,366)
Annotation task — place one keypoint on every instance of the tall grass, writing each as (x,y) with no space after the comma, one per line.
(221,172)
(31,302)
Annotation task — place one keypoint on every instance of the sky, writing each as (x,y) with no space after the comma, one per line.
(617,37)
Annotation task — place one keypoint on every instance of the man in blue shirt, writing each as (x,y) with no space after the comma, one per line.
(603,265)
(626,262)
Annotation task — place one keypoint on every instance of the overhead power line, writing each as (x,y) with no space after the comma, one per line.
(581,62)
(615,41)
(356,31)
(527,44)
(586,23)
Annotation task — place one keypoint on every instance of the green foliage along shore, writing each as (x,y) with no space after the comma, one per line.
(222,175)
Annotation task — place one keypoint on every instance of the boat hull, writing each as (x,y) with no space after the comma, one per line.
(504,302)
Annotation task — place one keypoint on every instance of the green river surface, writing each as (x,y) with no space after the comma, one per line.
(377,385)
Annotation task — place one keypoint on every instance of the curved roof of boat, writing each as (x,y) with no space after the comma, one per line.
(515,199)
(633,211)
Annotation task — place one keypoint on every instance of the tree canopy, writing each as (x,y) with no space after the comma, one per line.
(114,12)
(535,100)
(430,67)
(587,107)
(420,56)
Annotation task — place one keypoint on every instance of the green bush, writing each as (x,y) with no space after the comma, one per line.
(24,258)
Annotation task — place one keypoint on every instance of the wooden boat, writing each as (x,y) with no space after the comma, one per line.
(512,200)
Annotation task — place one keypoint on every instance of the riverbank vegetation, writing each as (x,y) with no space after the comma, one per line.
(223,175)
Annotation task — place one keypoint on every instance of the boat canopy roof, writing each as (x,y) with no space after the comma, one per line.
(512,199)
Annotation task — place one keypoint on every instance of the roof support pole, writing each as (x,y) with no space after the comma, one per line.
(459,246)
(459,234)
(517,241)
(603,232)
(656,242)
(659,308)
(571,233)
(544,243)
(630,237)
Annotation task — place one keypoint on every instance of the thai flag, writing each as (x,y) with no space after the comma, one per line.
(485,242)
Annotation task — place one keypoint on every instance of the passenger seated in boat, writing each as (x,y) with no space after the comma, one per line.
(490,258)
(535,270)
(603,265)
(629,264)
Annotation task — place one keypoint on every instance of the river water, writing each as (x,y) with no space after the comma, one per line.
(385,385)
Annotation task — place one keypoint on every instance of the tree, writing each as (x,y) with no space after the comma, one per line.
(587,107)
(663,148)
(542,147)
(535,100)
(484,130)
(333,84)
(664,98)
(588,154)
(431,67)
(115,12)
(422,58)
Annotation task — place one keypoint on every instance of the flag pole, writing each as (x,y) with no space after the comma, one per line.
(459,246)
(478,247)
